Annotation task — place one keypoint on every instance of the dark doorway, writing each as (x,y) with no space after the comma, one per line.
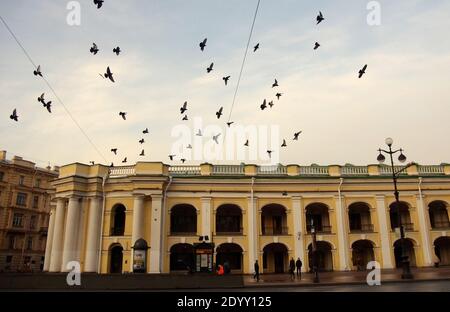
(409,251)
(182,257)
(275,258)
(116,258)
(279,262)
(231,253)
(324,256)
(118,215)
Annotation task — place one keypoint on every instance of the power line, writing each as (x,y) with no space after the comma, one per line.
(243,61)
(53,90)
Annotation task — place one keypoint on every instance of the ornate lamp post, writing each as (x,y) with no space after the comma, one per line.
(314,253)
(406,274)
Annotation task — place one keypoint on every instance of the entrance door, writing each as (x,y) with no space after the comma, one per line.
(116,260)
(279,262)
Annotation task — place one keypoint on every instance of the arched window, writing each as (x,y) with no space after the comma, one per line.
(274,220)
(228,220)
(438,215)
(362,253)
(359,218)
(318,214)
(183,220)
(118,220)
(442,250)
(400,214)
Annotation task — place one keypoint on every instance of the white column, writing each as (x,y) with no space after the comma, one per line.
(49,243)
(138,219)
(71,232)
(299,246)
(342,235)
(424,231)
(93,235)
(155,238)
(206,216)
(57,237)
(384,233)
(252,233)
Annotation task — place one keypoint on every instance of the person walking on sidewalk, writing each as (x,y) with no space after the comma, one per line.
(292,268)
(256,275)
(298,265)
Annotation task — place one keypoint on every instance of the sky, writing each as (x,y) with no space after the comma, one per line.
(404,94)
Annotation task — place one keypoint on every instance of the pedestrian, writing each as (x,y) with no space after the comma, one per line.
(220,271)
(292,268)
(298,265)
(256,275)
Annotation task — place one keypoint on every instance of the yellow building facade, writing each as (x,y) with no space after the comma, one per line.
(247,213)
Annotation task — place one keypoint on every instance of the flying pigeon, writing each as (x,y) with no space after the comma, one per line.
(210,68)
(117,50)
(114,150)
(112,165)
(226,79)
(41,99)
(171,157)
(92,162)
(48,106)
(189,146)
(296,134)
(264,105)
(124,160)
(94,49)
(215,137)
(271,104)
(362,71)
(99,3)
(109,74)
(219,113)
(38,71)
(14,115)
(230,123)
(199,133)
(141,141)
(256,47)
(185,117)
(246,143)
(278,95)
(275,84)
(142,153)
(284,143)
(124,115)
(319,18)
(183,108)
(316,46)
(145,131)
(183,160)
(203,44)
(270,153)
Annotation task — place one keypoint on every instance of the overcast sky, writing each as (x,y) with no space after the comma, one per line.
(405,93)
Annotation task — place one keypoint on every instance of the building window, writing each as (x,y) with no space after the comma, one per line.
(30,243)
(18,220)
(37,183)
(2,174)
(35,202)
(21,180)
(21,199)
(33,222)
(12,242)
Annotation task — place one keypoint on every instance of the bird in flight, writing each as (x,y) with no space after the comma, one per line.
(362,71)
(296,134)
(124,160)
(189,146)
(98,3)
(109,74)
(199,133)
(38,71)
(183,108)
(264,105)
(142,153)
(124,115)
(319,18)
(117,50)
(270,153)
(215,138)
(92,162)
(271,104)
(112,165)
(256,47)
(246,143)
(275,84)
(226,79)
(171,157)
(316,46)
(94,49)
(141,141)
(278,95)
(183,160)
(203,44)
(210,68)
(230,123)
(41,99)
(219,113)
(114,150)
(284,143)
(48,106)
(145,131)
(14,115)
(185,117)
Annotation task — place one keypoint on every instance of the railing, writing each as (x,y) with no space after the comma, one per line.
(121,171)
(408,227)
(184,170)
(314,170)
(278,170)
(364,228)
(228,169)
(173,233)
(431,169)
(354,170)
(387,170)
(324,229)
(267,230)
(229,232)
(438,225)
(43,230)
(117,231)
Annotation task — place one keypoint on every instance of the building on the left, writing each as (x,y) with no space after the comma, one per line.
(25,203)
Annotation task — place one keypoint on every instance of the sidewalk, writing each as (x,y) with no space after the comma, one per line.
(345,278)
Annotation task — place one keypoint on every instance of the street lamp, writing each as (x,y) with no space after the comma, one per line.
(406,274)
(314,253)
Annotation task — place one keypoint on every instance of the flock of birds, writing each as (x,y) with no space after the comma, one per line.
(184,108)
